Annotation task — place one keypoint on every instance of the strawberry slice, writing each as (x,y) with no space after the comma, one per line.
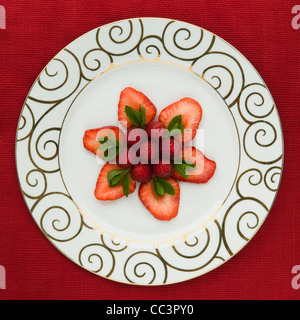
(92,138)
(196,168)
(161,207)
(104,191)
(191,114)
(90,141)
(134,99)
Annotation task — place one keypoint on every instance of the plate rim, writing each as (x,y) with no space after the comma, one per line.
(166,19)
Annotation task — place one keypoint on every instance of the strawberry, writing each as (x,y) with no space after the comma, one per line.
(104,191)
(184,115)
(162,207)
(196,168)
(93,137)
(162,169)
(141,172)
(155,130)
(135,100)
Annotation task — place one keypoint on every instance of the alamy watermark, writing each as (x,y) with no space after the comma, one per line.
(296,18)
(2,278)
(161,146)
(2,18)
(296,279)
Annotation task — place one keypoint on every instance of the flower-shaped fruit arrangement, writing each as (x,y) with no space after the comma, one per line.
(152,152)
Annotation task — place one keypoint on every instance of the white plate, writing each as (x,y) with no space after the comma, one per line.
(166,60)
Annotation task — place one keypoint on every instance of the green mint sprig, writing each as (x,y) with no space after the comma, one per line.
(110,146)
(138,118)
(115,177)
(175,126)
(161,187)
(184,167)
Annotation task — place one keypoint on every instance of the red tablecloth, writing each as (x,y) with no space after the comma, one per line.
(262,31)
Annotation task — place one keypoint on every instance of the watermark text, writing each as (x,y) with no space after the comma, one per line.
(296,279)
(2,278)
(296,18)
(2,18)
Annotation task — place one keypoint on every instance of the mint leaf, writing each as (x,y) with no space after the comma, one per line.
(109,146)
(156,188)
(103,147)
(142,111)
(133,116)
(190,165)
(183,167)
(181,170)
(116,180)
(102,139)
(174,132)
(136,117)
(111,153)
(159,188)
(155,193)
(175,126)
(112,139)
(114,177)
(168,188)
(175,123)
(125,184)
(113,173)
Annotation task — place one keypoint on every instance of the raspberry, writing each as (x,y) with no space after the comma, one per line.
(162,170)
(141,173)
(154,130)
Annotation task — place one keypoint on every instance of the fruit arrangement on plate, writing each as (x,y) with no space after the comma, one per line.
(154,153)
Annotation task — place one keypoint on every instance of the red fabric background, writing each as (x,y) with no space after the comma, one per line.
(262,31)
